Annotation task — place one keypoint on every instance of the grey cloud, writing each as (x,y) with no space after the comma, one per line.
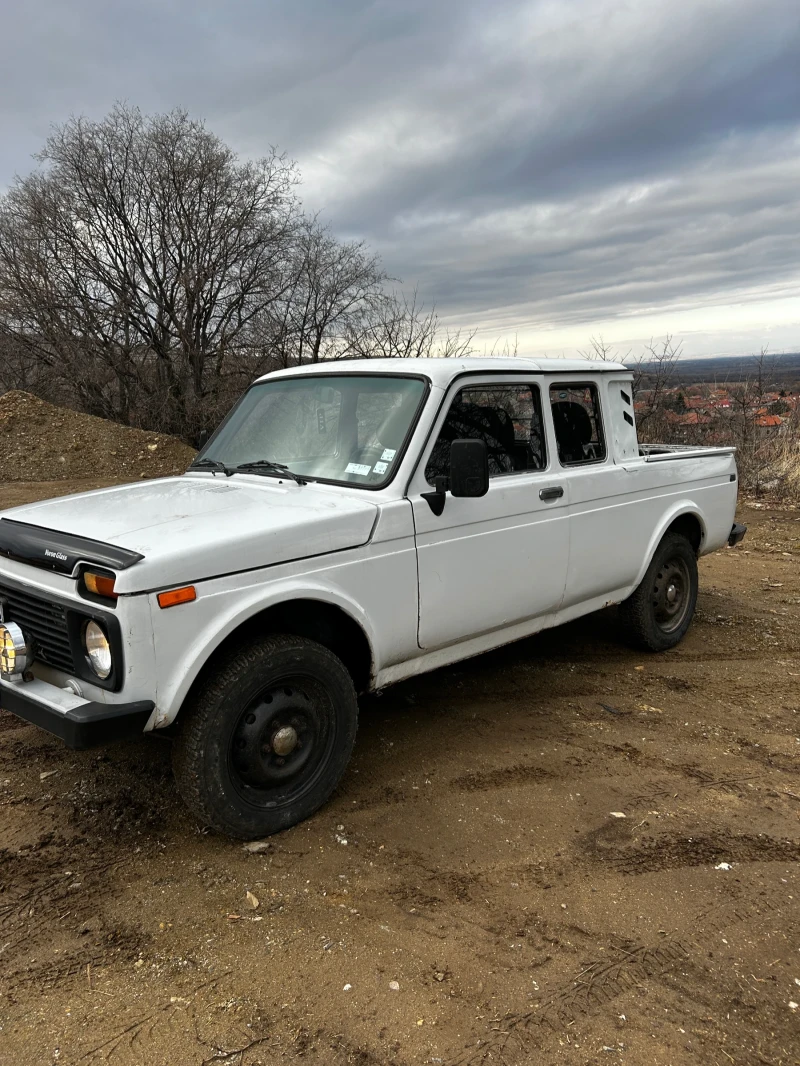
(701,238)
(522,162)
(605,108)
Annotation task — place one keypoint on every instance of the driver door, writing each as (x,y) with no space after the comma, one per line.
(501,559)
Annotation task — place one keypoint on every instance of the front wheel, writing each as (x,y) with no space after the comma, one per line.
(660,611)
(266,739)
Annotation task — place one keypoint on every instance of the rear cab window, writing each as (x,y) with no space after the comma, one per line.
(578,423)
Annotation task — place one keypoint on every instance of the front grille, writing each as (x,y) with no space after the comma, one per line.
(43,622)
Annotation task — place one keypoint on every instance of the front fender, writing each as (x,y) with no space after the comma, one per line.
(185,641)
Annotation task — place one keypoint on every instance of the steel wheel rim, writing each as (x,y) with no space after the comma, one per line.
(671,594)
(281,742)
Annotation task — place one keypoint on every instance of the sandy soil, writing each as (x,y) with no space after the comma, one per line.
(468,897)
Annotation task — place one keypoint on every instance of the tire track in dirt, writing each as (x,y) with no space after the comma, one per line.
(523,774)
(208,1036)
(611,845)
(516,1036)
(658,854)
(387,796)
(30,922)
(602,979)
(504,777)
(114,947)
(474,781)
(133,1036)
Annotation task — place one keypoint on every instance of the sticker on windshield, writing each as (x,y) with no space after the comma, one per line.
(388,454)
(380,468)
(357,468)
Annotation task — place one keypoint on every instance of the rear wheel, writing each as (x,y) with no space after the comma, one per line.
(660,611)
(267,738)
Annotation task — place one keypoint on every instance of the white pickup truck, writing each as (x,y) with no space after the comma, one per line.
(348,525)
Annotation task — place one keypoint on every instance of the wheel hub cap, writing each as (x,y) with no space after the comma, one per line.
(671,594)
(285,741)
(277,738)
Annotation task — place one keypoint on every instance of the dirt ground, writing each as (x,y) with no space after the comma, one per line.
(40,440)
(472,895)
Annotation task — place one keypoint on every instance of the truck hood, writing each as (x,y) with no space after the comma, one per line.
(197,526)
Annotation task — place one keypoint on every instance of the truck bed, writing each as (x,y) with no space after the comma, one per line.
(656,453)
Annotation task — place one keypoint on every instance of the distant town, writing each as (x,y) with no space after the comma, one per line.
(704,397)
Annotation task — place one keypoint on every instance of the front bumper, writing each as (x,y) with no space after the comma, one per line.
(79,723)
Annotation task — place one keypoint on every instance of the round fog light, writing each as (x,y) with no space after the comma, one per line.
(14,652)
(97,649)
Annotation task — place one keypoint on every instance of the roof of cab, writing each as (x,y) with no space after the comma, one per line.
(442,371)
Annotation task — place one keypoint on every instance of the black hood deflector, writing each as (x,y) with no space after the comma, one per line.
(50,549)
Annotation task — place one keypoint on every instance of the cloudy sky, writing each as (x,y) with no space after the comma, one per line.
(547,170)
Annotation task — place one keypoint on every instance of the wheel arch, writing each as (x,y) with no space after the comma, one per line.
(313,614)
(684,518)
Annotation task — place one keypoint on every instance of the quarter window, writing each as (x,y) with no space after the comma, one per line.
(578,425)
(507,417)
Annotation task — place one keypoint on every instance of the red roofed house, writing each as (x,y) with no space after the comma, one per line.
(769,421)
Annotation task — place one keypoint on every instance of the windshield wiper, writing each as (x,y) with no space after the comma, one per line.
(268,467)
(213,465)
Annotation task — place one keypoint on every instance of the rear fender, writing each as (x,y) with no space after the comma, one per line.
(678,509)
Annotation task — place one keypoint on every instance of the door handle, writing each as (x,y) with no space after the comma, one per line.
(554,493)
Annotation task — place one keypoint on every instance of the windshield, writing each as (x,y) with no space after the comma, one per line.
(350,428)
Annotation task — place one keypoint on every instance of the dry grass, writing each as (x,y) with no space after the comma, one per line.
(782,474)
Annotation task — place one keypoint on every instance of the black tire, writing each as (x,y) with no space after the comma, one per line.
(266,738)
(660,611)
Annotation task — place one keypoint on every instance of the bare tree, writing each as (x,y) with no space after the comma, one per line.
(334,289)
(20,368)
(505,347)
(602,350)
(748,405)
(133,262)
(147,274)
(653,373)
(397,326)
(653,376)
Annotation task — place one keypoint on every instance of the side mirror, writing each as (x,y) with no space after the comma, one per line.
(469,474)
(469,468)
(202,438)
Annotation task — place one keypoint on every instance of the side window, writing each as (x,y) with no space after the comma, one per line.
(507,417)
(578,425)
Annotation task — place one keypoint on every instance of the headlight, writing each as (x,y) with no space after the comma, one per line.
(15,655)
(98,649)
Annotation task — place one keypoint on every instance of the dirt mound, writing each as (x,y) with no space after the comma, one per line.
(42,442)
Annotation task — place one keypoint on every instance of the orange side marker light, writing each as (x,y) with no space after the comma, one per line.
(99,584)
(175,596)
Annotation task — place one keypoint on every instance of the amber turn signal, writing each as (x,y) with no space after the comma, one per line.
(176,596)
(99,585)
